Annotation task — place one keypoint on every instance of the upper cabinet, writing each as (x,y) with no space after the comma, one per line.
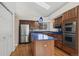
(58,22)
(72,13)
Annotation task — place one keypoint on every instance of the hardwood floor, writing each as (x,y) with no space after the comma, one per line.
(24,50)
(59,52)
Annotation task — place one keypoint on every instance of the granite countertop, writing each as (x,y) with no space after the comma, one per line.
(48,32)
(41,36)
(55,33)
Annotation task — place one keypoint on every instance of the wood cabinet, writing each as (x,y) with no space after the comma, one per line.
(69,50)
(43,48)
(58,25)
(58,42)
(58,22)
(72,13)
(71,16)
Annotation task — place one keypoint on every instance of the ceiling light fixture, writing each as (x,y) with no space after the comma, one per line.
(43,4)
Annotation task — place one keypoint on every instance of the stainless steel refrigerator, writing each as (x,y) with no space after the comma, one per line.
(24,33)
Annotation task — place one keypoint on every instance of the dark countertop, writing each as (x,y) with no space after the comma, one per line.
(48,32)
(41,36)
(55,33)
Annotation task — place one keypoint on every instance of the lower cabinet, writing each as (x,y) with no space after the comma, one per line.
(59,44)
(69,50)
(43,48)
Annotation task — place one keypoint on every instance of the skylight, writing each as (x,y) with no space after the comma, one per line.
(43,4)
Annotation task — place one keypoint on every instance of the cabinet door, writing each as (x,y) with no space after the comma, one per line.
(65,16)
(44,48)
(60,37)
(58,20)
(69,50)
(68,15)
(59,44)
(74,12)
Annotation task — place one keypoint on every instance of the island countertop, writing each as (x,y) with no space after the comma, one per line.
(48,32)
(41,36)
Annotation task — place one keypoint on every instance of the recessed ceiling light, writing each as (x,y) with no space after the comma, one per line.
(43,4)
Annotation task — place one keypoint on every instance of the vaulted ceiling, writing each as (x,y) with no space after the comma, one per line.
(31,9)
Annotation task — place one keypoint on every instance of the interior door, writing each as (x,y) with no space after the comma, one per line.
(6,32)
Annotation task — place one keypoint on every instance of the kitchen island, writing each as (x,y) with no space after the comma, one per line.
(42,44)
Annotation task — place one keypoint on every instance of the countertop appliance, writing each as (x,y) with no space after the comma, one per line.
(24,33)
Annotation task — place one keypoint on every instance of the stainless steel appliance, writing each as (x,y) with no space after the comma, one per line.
(69,40)
(70,34)
(24,33)
(57,26)
(70,27)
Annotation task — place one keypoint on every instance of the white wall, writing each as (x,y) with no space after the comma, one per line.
(11,6)
(52,27)
(6,32)
(16,31)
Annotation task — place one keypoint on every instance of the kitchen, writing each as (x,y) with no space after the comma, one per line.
(44,35)
(64,39)
(64,36)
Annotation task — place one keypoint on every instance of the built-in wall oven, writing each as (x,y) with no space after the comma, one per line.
(69,40)
(69,34)
(70,27)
